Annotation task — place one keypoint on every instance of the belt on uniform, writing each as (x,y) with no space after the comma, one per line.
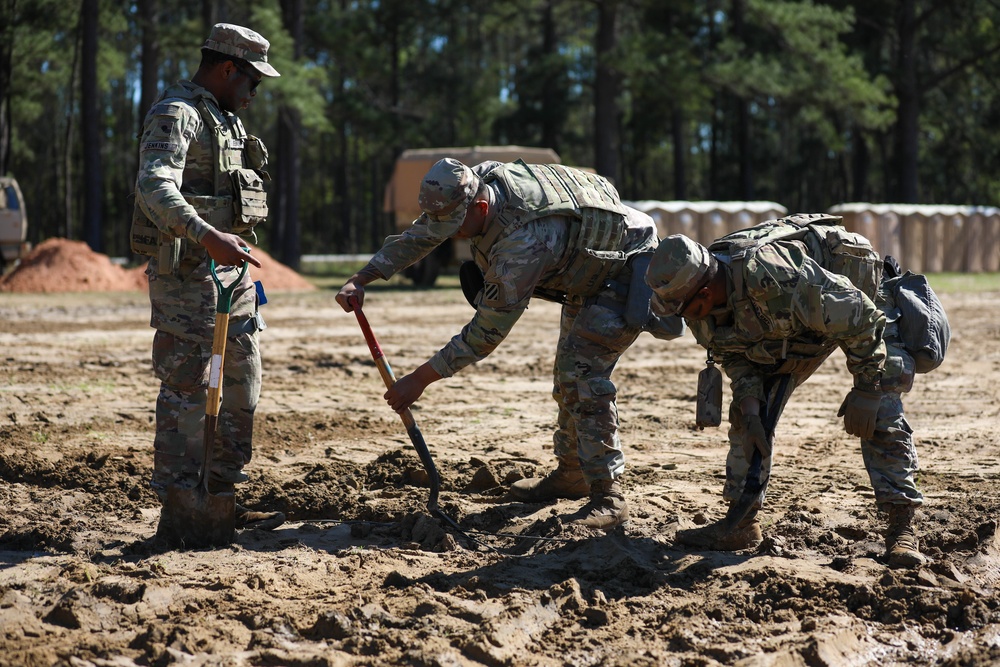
(249,325)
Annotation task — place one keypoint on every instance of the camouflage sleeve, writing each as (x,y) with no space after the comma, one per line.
(401,250)
(517,264)
(829,304)
(170,127)
(478,338)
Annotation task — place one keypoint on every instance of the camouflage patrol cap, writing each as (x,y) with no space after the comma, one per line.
(676,271)
(445,194)
(235,40)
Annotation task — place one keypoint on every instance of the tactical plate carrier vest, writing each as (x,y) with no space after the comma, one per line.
(829,244)
(239,202)
(826,240)
(534,191)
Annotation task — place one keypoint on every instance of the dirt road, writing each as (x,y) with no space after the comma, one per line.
(361,575)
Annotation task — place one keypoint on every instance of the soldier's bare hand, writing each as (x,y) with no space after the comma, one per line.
(404,393)
(409,388)
(350,296)
(228,249)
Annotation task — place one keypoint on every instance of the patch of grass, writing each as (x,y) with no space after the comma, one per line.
(959,283)
(323,270)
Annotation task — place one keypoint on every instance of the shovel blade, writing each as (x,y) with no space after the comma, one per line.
(197,519)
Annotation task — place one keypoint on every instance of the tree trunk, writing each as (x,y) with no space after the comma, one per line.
(607,85)
(680,154)
(66,228)
(860,166)
(212,12)
(93,191)
(6,73)
(150,58)
(551,92)
(907,147)
(288,227)
(744,145)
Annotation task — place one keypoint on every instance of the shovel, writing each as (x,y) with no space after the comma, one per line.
(412,430)
(416,437)
(753,489)
(199,518)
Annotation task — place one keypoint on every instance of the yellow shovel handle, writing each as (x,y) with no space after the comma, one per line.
(214,401)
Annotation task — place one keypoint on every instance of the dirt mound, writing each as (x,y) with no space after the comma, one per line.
(61,265)
(277,276)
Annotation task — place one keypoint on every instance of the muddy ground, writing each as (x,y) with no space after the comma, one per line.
(362,575)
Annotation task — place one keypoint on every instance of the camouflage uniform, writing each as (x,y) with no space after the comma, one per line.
(191,154)
(793,315)
(537,254)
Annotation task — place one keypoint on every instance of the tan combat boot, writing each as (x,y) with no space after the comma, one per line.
(715,537)
(563,482)
(902,549)
(248,518)
(606,509)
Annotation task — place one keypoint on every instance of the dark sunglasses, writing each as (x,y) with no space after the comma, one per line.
(251,74)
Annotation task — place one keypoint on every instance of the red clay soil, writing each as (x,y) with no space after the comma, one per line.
(61,265)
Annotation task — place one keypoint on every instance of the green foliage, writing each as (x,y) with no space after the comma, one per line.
(800,98)
(301,83)
(792,55)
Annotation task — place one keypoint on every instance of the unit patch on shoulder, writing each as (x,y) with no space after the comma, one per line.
(160,134)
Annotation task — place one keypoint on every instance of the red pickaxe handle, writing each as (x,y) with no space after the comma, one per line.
(385,370)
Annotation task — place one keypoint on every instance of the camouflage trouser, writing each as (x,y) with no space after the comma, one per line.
(889,455)
(184,315)
(591,340)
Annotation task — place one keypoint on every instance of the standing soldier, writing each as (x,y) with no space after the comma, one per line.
(559,233)
(770,303)
(200,186)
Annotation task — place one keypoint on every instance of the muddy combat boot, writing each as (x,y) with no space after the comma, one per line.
(562,482)
(165,532)
(606,509)
(902,549)
(715,537)
(248,518)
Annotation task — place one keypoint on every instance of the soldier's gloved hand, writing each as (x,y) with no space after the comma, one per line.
(755,437)
(859,411)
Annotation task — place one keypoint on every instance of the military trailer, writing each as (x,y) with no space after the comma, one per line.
(402,189)
(13,223)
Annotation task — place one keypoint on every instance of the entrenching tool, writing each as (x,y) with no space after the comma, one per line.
(753,489)
(416,437)
(199,518)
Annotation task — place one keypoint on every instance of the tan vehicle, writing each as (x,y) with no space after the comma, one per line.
(13,223)
(402,189)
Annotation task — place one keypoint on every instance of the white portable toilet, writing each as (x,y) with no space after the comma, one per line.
(714,221)
(989,245)
(954,241)
(912,227)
